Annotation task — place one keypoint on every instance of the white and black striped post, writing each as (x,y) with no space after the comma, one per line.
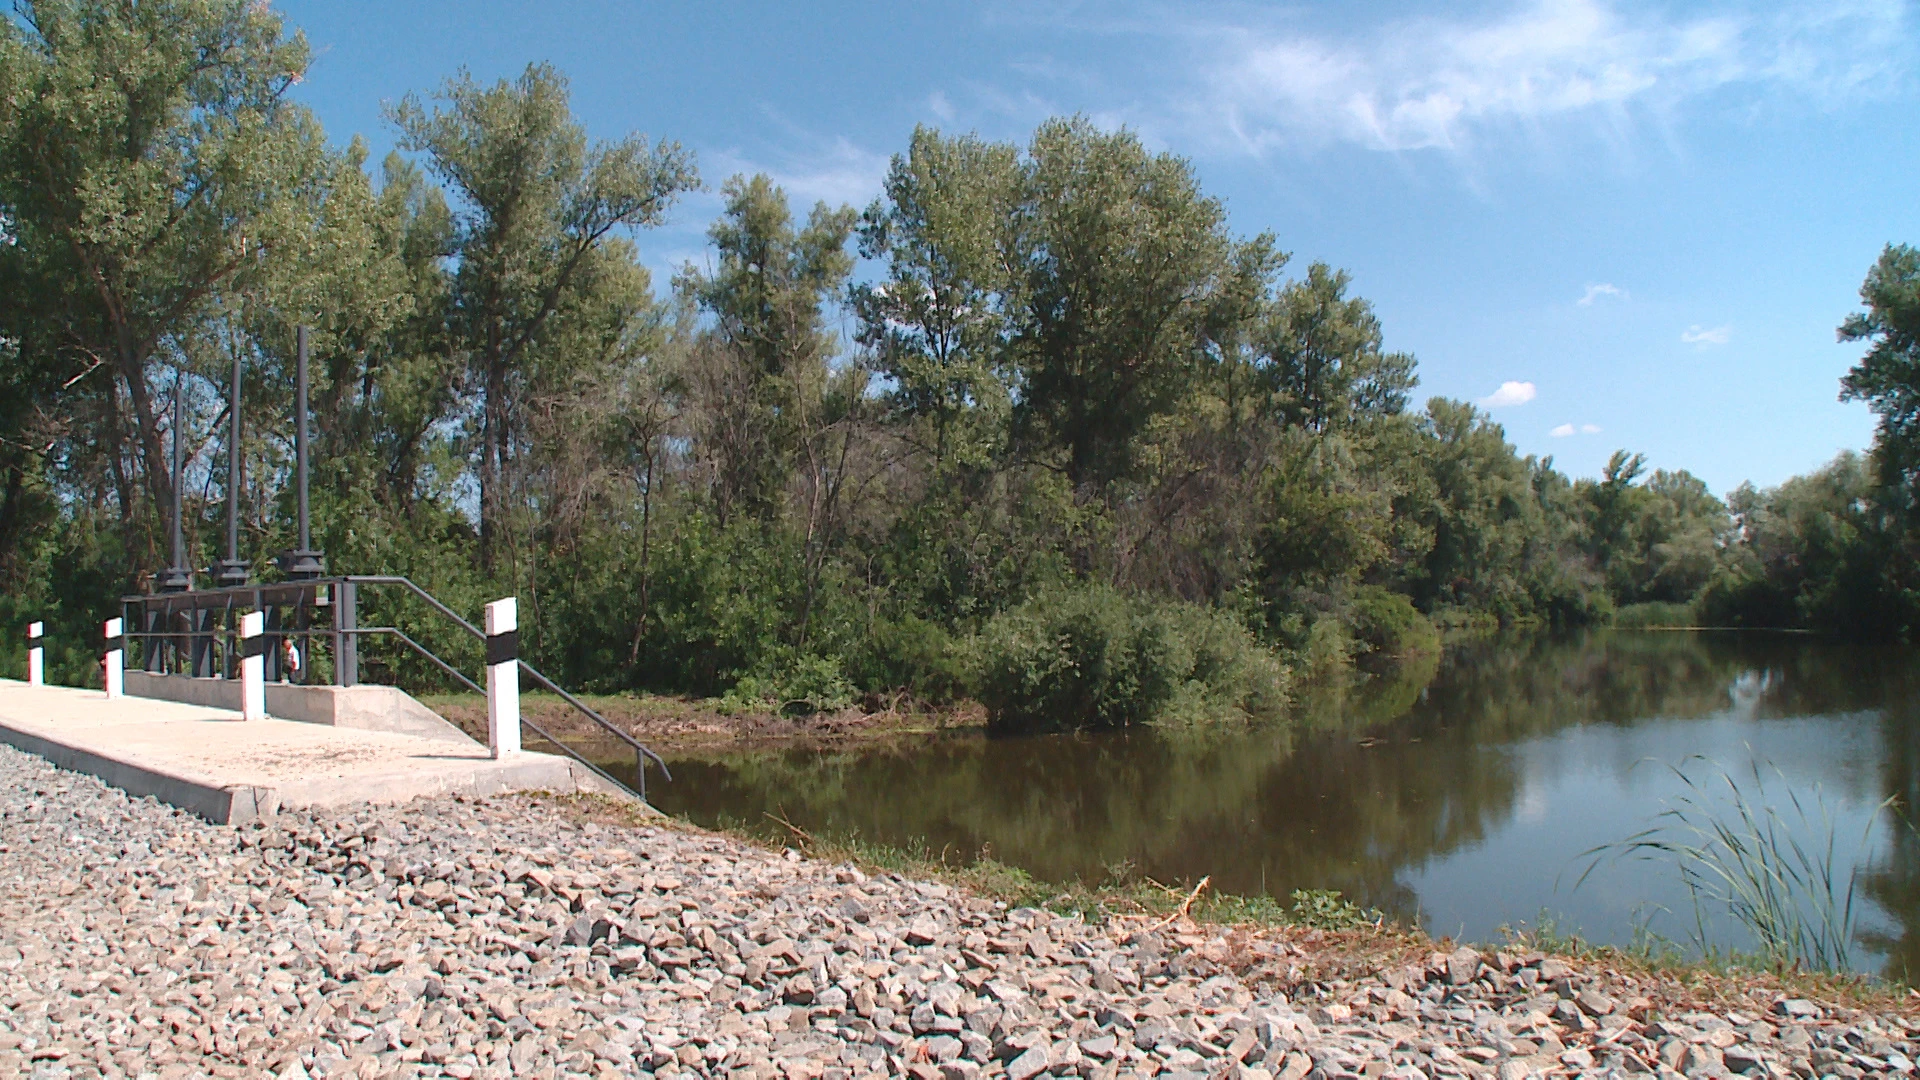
(36,656)
(503,677)
(253,666)
(113,660)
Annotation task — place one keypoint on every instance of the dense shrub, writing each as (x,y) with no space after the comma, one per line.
(1655,614)
(1092,657)
(911,654)
(1386,623)
(795,684)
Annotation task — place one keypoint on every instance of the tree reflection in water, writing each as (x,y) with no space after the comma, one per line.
(1370,786)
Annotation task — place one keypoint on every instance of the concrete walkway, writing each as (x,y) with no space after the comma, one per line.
(213,764)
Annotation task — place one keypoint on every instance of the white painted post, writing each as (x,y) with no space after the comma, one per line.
(112,661)
(36,656)
(503,677)
(253,666)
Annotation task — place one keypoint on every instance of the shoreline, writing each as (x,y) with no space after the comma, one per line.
(681,725)
(543,936)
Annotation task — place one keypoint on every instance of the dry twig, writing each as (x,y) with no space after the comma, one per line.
(1185,906)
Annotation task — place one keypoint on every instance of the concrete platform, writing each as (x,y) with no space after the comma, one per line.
(370,708)
(210,762)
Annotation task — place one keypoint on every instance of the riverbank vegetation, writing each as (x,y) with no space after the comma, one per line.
(1039,426)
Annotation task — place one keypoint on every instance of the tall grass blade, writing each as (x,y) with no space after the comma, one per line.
(1772,865)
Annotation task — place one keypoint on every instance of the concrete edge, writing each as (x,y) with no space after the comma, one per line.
(221,805)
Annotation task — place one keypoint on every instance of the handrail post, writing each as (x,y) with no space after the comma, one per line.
(346,620)
(503,677)
(36,656)
(111,660)
(253,676)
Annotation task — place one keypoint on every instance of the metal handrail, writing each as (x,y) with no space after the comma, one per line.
(641,775)
(223,597)
(423,651)
(603,722)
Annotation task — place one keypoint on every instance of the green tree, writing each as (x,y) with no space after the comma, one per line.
(936,324)
(1323,354)
(1887,378)
(150,165)
(767,359)
(1811,552)
(538,209)
(1116,255)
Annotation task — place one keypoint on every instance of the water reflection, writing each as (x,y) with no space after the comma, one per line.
(1457,793)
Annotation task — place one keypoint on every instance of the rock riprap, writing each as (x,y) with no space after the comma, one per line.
(505,938)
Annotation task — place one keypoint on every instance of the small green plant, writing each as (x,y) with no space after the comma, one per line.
(1771,864)
(1326,909)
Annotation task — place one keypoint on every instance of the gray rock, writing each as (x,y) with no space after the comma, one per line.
(1029,1064)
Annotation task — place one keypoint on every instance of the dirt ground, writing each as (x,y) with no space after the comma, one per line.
(667,723)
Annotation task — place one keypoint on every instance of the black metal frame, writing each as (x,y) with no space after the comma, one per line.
(197,632)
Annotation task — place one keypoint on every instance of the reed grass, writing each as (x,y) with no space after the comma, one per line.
(1771,864)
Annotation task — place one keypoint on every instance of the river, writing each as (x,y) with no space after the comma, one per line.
(1466,793)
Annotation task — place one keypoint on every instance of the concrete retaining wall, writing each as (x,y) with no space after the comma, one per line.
(368,708)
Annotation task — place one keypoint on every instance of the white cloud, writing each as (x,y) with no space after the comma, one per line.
(1436,81)
(1702,338)
(940,106)
(1589,429)
(1567,430)
(1562,431)
(833,171)
(1510,393)
(1596,292)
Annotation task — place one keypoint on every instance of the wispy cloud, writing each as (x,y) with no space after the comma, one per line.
(1701,337)
(1567,430)
(835,170)
(1602,291)
(1437,81)
(1510,393)
(940,106)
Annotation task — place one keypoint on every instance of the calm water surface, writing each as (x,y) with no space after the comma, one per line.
(1459,794)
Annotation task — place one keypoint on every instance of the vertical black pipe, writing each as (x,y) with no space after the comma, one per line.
(179,478)
(230,571)
(300,434)
(176,577)
(302,563)
(234,479)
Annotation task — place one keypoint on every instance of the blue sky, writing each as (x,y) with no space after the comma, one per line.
(1616,224)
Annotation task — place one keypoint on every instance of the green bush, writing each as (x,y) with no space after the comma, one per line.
(911,654)
(1655,613)
(1387,624)
(1092,657)
(795,685)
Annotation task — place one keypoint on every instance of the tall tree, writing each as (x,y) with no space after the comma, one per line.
(937,324)
(766,362)
(149,165)
(1324,355)
(1887,378)
(536,202)
(1116,255)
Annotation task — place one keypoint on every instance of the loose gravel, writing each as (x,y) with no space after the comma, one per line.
(502,937)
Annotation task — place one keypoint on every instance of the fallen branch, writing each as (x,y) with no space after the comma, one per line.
(806,838)
(1185,906)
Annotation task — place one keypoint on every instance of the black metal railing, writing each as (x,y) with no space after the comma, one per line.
(197,632)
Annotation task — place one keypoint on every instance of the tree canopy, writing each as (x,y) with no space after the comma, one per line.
(1037,404)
